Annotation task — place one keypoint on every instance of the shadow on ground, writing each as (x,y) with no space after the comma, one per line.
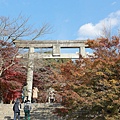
(9,118)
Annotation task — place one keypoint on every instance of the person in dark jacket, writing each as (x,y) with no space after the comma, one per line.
(16,109)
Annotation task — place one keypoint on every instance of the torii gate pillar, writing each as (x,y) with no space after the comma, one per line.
(82,51)
(30,71)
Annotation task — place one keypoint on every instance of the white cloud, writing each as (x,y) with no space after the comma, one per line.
(91,30)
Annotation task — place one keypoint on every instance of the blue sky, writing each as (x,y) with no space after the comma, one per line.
(69,19)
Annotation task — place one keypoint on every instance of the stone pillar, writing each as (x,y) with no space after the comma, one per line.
(56,50)
(30,71)
(82,51)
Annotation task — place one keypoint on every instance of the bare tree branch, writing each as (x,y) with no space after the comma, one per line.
(45,29)
(11,30)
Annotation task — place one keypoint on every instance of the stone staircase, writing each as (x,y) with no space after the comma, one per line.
(40,111)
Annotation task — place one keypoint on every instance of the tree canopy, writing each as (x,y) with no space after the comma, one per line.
(92,85)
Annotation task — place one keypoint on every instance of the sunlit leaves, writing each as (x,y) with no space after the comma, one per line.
(97,79)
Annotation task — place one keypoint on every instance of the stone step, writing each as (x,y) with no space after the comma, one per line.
(40,111)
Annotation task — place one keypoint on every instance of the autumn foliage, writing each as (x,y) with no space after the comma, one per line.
(12,75)
(92,85)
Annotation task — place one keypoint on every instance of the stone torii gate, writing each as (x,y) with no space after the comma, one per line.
(56,46)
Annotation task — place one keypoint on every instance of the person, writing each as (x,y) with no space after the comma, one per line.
(35,94)
(25,92)
(16,109)
(27,109)
(52,97)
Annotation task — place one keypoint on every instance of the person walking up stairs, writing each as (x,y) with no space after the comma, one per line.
(27,109)
(16,109)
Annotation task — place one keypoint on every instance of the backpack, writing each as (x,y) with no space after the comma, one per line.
(27,107)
